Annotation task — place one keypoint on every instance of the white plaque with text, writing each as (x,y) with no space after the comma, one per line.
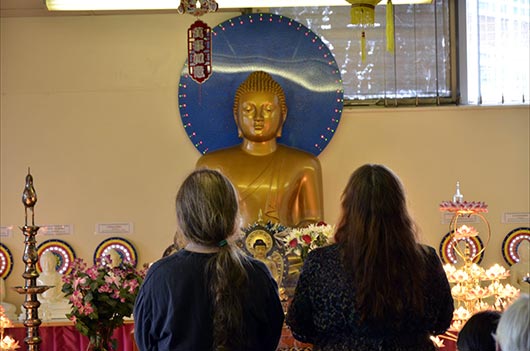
(516,217)
(56,229)
(5,231)
(114,228)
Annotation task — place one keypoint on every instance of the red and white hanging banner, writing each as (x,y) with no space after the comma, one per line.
(199,51)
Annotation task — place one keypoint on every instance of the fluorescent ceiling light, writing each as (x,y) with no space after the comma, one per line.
(94,5)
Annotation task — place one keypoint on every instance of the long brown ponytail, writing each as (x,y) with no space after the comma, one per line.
(207,213)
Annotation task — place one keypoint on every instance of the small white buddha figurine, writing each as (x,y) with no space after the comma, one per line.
(115,258)
(53,302)
(521,269)
(9,309)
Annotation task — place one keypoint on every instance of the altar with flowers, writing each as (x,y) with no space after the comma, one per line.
(102,297)
(283,251)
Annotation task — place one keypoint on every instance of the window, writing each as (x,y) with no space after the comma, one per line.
(491,67)
(417,71)
(496,69)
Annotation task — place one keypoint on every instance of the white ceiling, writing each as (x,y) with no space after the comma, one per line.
(32,8)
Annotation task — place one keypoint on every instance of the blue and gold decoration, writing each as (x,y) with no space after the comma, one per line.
(511,243)
(124,247)
(6,261)
(63,252)
(296,58)
(447,248)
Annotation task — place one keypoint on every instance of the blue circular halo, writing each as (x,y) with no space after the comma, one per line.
(293,55)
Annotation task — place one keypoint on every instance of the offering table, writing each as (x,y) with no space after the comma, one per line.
(61,335)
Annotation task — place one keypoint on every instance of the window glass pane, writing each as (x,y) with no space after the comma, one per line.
(498,30)
(419,67)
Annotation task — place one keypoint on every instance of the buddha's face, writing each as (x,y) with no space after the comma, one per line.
(48,262)
(260,251)
(259,116)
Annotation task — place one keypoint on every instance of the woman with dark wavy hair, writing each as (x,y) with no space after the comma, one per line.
(376,288)
(208,296)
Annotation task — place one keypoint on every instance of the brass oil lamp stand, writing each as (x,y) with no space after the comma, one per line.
(30,275)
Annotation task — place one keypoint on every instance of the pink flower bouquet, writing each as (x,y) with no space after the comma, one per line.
(101,297)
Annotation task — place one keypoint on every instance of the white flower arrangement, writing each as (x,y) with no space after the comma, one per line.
(301,241)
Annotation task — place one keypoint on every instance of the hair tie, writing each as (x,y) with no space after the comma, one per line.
(222,243)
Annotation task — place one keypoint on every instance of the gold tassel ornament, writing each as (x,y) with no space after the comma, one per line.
(389,26)
(363,47)
(362,14)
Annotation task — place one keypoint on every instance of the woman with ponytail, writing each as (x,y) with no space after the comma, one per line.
(208,296)
(376,288)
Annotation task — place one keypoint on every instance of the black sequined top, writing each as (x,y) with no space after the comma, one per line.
(323,312)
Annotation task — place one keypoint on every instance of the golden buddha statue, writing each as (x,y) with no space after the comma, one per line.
(283,182)
(262,249)
(260,253)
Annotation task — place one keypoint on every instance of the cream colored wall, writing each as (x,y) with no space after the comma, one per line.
(90,104)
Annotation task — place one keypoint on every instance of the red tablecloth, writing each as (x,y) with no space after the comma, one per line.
(57,336)
(64,337)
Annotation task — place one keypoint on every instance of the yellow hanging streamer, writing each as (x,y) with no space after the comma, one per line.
(363,47)
(389,26)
